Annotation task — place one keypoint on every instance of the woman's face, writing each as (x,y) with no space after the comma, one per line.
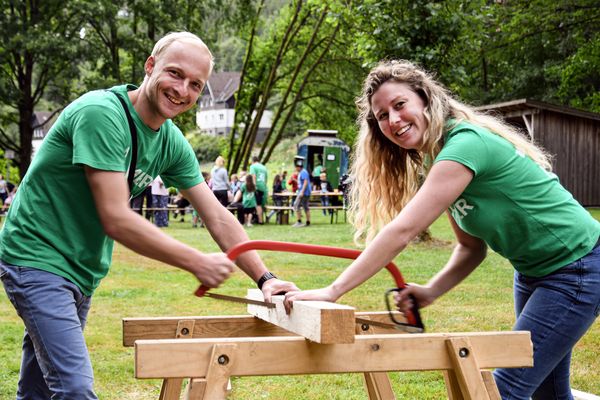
(399,113)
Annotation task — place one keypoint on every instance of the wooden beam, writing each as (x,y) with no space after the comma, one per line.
(221,326)
(319,321)
(179,358)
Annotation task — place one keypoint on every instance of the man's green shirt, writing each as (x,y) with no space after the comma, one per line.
(260,172)
(53,224)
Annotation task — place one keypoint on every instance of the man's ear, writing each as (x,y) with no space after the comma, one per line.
(149,65)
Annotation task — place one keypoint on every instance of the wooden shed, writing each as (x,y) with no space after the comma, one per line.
(570,135)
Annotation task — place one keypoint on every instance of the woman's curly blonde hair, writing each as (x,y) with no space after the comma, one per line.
(384,176)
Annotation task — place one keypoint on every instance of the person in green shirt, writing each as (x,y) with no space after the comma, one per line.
(247,194)
(259,172)
(56,244)
(497,189)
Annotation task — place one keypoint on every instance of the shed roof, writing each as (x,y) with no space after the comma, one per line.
(325,141)
(524,106)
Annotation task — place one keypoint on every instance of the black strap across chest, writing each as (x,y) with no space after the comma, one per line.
(134,149)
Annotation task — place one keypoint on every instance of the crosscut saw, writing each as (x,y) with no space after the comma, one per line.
(414,323)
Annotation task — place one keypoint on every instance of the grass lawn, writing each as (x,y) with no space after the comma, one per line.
(139,287)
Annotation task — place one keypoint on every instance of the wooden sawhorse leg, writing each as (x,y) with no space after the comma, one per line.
(378,384)
(466,381)
(171,388)
(214,385)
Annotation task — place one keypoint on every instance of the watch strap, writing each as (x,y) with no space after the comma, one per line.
(265,277)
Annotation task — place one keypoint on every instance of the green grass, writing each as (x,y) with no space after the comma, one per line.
(139,287)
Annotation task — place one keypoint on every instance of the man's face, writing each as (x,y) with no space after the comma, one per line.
(176,78)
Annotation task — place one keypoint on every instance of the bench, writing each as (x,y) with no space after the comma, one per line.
(283,212)
(282,215)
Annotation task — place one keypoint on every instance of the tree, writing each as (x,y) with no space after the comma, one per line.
(40,53)
(283,72)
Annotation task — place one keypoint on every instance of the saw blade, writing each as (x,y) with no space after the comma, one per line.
(239,300)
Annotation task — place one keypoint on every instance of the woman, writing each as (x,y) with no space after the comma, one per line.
(220,181)
(497,190)
(247,194)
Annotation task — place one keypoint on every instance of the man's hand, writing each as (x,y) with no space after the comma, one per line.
(213,269)
(277,286)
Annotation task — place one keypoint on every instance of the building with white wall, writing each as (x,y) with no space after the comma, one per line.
(215,114)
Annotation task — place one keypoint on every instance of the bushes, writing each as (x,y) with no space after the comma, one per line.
(206,147)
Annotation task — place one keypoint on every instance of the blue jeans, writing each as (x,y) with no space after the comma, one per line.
(557,309)
(55,362)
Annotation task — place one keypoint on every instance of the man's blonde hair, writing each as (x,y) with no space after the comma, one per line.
(172,37)
(385,176)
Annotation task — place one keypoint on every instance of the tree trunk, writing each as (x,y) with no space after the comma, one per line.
(309,48)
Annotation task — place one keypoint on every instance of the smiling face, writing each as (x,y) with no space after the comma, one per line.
(399,113)
(174,80)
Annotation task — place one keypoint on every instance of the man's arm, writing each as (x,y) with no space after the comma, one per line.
(227,232)
(111,194)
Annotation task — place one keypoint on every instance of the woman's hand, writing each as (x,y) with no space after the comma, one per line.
(277,286)
(324,294)
(424,296)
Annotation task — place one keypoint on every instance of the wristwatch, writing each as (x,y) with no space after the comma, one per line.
(266,276)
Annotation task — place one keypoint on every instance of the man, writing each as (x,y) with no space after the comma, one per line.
(303,195)
(56,244)
(259,172)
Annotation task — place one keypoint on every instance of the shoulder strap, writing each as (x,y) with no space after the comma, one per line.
(133,132)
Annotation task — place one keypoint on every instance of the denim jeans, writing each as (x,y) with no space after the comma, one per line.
(55,362)
(557,309)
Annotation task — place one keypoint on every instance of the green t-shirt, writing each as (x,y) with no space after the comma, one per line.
(53,224)
(317,170)
(260,172)
(520,210)
(248,198)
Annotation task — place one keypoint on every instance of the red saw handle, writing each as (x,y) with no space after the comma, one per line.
(412,316)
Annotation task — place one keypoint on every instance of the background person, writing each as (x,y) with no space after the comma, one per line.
(160,201)
(303,193)
(54,256)
(497,189)
(325,187)
(277,200)
(220,181)
(247,194)
(259,172)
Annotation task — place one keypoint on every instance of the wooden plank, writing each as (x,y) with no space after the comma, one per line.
(179,358)
(222,326)
(466,369)
(319,321)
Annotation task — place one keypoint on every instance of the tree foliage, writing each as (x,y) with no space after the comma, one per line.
(40,51)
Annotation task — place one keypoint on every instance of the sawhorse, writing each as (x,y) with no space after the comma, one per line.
(209,350)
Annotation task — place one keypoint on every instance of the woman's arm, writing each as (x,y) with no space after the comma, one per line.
(467,255)
(444,184)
